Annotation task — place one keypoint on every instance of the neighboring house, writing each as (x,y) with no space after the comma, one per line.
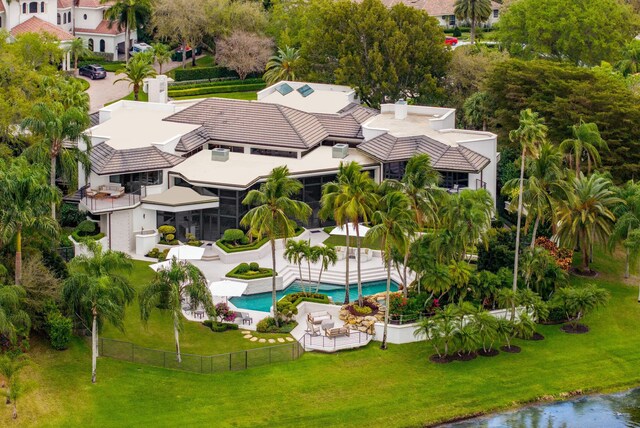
(443,11)
(191,164)
(65,19)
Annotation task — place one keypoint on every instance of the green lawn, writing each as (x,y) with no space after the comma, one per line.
(338,240)
(397,387)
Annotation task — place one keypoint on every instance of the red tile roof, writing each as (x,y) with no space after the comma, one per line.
(432,7)
(65,4)
(37,25)
(93,3)
(1,7)
(102,28)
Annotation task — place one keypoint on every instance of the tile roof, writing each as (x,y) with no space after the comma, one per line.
(93,3)
(107,160)
(37,25)
(65,4)
(1,6)
(264,124)
(388,148)
(94,119)
(432,7)
(192,140)
(102,28)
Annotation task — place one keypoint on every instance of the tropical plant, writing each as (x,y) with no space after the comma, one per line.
(578,301)
(630,62)
(524,327)
(585,144)
(485,325)
(26,198)
(127,15)
(627,215)
(474,12)
(507,298)
(77,49)
(135,71)
(161,54)
(295,252)
(14,320)
(282,66)
(477,110)
(533,304)
(51,125)
(632,246)
(391,221)
(274,214)
(530,135)
(10,367)
(460,275)
(505,330)
(350,199)
(444,327)
(587,218)
(327,256)
(97,291)
(179,281)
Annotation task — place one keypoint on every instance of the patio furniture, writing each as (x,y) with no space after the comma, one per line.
(246,318)
(318,317)
(111,190)
(90,193)
(199,314)
(327,324)
(313,329)
(337,332)
(454,189)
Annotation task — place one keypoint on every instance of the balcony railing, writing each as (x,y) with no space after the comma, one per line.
(97,201)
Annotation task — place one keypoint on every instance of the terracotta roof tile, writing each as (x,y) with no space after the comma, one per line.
(37,25)
(102,28)
(1,7)
(432,7)
(65,4)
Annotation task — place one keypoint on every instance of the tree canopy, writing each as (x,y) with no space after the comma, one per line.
(581,31)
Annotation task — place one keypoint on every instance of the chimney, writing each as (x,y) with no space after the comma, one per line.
(340,151)
(401,109)
(219,155)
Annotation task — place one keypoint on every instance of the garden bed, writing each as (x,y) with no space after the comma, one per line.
(578,329)
(250,271)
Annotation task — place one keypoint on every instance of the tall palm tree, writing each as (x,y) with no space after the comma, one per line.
(630,62)
(161,54)
(14,320)
(127,15)
(52,126)
(545,189)
(26,198)
(77,49)
(274,213)
(588,218)
(477,110)
(351,199)
(326,255)
(135,72)
(295,252)
(473,11)
(586,142)
(282,66)
(98,291)
(181,280)
(391,221)
(531,133)
(627,219)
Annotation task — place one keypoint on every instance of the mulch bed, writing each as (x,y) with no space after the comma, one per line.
(536,336)
(441,360)
(374,308)
(491,353)
(466,357)
(579,272)
(579,329)
(511,350)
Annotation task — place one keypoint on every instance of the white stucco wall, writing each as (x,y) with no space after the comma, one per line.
(94,17)
(486,147)
(122,238)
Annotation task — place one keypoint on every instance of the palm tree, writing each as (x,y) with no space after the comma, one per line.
(460,275)
(587,218)
(127,15)
(630,62)
(576,302)
(530,135)
(391,221)
(628,219)
(161,54)
(180,280)
(545,189)
(14,320)
(274,214)
(52,125)
(295,252)
(25,197)
(97,291)
(485,325)
(135,72)
(350,199)
(77,48)
(326,255)
(586,142)
(10,367)
(473,11)
(282,66)
(477,111)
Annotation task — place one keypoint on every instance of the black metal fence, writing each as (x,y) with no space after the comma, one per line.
(233,361)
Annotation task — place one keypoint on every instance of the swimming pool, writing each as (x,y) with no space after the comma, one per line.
(262,301)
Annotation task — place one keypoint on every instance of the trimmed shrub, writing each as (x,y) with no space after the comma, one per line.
(242,268)
(200,73)
(268,325)
(254,266)
(70,215)
(457,32)
(362,310)
(166,229)
(59,329)
(86,228)
(207,84)
(233,235)
(219,327)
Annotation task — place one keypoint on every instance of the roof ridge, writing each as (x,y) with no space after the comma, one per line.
(293,126)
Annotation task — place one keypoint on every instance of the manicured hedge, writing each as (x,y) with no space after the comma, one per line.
(215,83)
(216,89)
(203,73)
(79,238)
(254,246)
(219,327)
(262,273)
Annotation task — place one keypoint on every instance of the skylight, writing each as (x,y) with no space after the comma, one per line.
(305,91)
(284,89)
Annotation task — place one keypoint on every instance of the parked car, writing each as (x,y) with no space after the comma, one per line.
(140,47)
(177,54)
(450,41)
(93,71)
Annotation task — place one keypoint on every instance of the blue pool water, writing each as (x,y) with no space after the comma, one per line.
(262,301)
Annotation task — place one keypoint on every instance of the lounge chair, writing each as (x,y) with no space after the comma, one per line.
(318,317)
(313,329)
(337,332)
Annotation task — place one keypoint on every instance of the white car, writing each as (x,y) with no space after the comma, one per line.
(140,47)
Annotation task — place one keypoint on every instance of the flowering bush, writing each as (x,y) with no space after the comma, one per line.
(224,313)
(562,256)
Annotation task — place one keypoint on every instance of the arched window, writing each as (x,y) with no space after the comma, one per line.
(41,7)
(59,21)
(64,18)
(0,22)
(90,45)
(102,45)
(33,7)
(85,16)
(24,8)
(69,17)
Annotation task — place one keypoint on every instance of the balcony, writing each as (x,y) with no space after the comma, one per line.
(107,198)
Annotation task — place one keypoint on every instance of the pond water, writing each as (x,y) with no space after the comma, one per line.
(262,301)
(594,411)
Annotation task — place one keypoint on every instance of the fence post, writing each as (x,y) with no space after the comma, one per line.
(164,359)
(230,361)
(246,359)
(269,355)
(133,348)
(201,364)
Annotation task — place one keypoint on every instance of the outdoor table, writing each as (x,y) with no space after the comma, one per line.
(327,324)
(199,314)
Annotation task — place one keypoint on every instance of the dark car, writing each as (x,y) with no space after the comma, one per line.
(93,71)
